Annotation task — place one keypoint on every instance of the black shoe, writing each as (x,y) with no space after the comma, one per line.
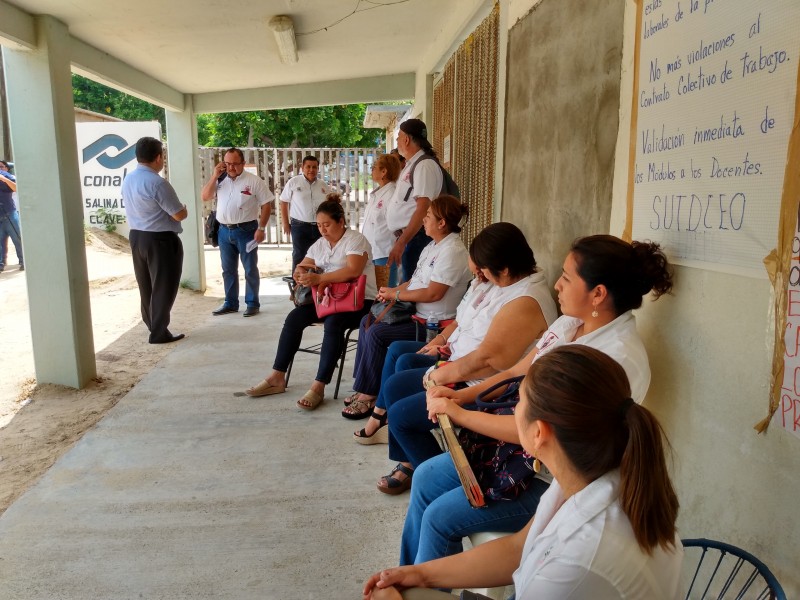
(21,267)
(251,311)
(168,339)
(224,310)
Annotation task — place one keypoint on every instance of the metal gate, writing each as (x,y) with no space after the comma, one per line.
(346,170)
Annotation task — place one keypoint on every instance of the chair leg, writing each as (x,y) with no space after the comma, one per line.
(341,362)
(289,372)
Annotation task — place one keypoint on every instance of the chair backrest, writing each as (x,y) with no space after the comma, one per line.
(724,571)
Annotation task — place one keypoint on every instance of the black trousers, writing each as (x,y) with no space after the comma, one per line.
(157,263)
(303,236)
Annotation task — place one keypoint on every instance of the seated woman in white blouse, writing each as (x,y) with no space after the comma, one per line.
(605,529)
(343,255)
(437,286)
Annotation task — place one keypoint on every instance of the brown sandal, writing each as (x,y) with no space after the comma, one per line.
(313,398)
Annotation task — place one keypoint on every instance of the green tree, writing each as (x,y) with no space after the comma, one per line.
(90,95)
(319,127)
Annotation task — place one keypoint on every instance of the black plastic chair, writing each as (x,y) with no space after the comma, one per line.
(724,571)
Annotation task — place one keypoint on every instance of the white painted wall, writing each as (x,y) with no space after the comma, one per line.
(710,348)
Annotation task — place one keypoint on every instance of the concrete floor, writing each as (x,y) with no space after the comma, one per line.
(186,490)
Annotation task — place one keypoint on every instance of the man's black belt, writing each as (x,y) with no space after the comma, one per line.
(237,225)
(294,221)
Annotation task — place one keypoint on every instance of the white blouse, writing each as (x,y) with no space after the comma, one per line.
(584,548)
(445,263)
(332,258)
(375,228)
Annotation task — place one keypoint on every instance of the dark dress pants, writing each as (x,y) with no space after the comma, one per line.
(157,264)
(303,236)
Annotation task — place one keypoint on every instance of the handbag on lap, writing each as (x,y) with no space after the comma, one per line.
(347,296)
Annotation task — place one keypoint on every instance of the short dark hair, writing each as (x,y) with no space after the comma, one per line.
(148,149)
(628,270)
(310,157)
(503,246)
(235,151)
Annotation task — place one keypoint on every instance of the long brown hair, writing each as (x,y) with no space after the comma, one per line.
(585,396)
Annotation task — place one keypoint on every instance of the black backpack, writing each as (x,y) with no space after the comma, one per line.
(448,185)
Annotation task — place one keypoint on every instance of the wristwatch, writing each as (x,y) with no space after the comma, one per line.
(263,228)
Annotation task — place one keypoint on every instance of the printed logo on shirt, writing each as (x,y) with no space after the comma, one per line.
(246,190)
(548,341)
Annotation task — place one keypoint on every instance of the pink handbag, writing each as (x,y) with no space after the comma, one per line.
(340,297)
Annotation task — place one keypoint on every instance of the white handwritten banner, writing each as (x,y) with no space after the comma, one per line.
(715,102)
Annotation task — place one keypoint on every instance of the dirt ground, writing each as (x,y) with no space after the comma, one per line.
(41,422)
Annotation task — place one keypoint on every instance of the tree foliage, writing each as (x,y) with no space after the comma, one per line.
(90,95)
(319,127)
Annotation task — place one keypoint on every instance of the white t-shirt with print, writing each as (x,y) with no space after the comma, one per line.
(304,197)
(445,263)
(428,180)
(240,200)
(334,258)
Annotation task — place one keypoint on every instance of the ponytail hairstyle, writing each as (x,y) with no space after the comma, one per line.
(628,271)
(452,210)
(585,397)
(332,207)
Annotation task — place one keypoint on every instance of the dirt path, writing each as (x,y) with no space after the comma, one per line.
(40,423)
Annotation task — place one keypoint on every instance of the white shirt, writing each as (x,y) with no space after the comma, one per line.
(334,258)
(304,197)
(428,180)
(240,200)
(445,263)
(469,334)
(619,339)
(584,548)
(375,229)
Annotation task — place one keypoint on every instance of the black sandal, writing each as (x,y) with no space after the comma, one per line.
(359,409)
(395,486)
(379,436)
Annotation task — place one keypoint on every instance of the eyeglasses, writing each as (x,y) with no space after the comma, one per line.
(227,164)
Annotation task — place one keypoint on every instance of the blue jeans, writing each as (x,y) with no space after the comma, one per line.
(232,246)
(303,236)
(401,356)
(439,515)
(412,252)
(9,228)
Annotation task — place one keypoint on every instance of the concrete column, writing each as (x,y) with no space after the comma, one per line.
(42,123)
(184,175)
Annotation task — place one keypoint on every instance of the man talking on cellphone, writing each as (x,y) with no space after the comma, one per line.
(243,207)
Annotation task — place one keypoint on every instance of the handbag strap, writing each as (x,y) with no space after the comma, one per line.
(381,315)
(504,400)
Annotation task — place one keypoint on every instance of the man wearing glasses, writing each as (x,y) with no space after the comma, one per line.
(243,207)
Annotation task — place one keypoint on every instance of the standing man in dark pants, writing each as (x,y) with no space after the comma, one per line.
(243,207)
(408,205)
(300,198)
(154,214)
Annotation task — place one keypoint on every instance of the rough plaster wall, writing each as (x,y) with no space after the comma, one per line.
(709,346)
(561,123)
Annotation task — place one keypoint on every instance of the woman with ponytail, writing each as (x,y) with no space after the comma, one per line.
(603,280)
(606,526)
